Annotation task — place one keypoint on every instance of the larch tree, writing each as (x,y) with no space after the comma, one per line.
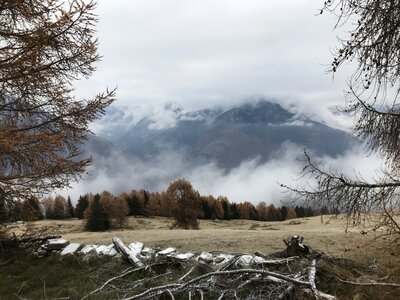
(48,204)
(45,45)
(291,213)
(106,200)
(31,209)
(158,205)
(60,208)
(272,213)
(372,45)
(262,211)
(185,203)
(244,210)
(120,211)
(218,209)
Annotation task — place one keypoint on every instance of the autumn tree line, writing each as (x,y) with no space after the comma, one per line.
(180,202)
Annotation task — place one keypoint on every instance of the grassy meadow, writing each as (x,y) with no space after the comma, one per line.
(328,234)
(71,277)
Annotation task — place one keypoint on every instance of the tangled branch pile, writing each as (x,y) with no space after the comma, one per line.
(215,275)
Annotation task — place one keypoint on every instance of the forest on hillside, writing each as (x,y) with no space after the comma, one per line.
(145,203)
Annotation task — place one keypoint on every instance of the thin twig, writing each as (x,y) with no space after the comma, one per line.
(177,286)
(127,272)
(386,284)
(184,276)
(171,295)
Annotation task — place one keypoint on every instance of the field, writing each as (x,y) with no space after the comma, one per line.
(28,277)
(328,235)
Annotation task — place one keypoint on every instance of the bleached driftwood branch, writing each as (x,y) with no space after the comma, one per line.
(311,278)
(127,253)
(311,275)
(176,286)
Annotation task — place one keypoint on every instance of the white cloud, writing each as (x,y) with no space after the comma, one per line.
(205,53)
(202,53)
(251,181)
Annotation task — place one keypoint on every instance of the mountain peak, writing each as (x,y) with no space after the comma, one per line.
(259,112)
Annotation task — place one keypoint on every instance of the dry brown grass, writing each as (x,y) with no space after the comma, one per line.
(328,236)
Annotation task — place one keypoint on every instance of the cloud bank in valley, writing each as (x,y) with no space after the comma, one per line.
(205,53)
(250,181)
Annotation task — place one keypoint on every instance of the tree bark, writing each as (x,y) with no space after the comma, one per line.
(127,253)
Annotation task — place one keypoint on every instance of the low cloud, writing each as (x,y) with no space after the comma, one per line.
(250,181)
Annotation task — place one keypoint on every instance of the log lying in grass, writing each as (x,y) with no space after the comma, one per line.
(127,253)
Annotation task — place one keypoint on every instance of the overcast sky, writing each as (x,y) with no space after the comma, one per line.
(202,53)
(215,52)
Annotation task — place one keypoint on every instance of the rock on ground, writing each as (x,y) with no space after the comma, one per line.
(205,257)
(136,247)
(56,244)
(88,248)
(166,251)
(71,249)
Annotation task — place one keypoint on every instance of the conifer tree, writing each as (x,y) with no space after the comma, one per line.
(226,207)
(186,204)
(135,203)
(71,210)
(97,219)
(284,213)
(207,210)
(234,211)
(81,206)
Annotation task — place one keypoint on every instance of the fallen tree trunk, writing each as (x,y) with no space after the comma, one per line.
(127,253)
